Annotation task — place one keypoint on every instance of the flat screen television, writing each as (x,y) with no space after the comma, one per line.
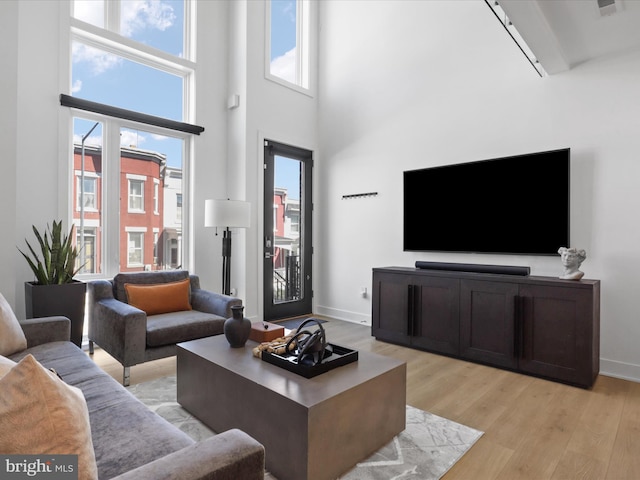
(513,205)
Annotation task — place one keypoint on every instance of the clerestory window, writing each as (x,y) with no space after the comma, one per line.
(288,25)
(156,23)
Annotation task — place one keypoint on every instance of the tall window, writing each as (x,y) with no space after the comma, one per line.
(157,23)
(295,222)
(288,39)
(155,245)
(87,261)
(136,55)
(136,249)
(136,195)
(179,206)
(86,192)
(156,199)
(88,171)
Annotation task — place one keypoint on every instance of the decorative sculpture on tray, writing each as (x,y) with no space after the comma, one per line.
(571,259)
(305,352)
(309,347)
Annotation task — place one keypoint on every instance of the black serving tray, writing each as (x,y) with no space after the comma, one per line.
(340,356)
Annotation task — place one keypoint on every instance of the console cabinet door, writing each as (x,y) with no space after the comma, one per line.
(541,326)
(488,322)
(390,310)
(436,325)
(556,333)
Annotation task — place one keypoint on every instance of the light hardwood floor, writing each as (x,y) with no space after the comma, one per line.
(534,429)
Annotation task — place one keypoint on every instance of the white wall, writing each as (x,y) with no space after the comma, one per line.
(208,176)
(36,160)
(267,110)
(406,85)
(8,148)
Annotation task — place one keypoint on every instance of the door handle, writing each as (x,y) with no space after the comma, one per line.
(268,248)
(410,310)
(518,328)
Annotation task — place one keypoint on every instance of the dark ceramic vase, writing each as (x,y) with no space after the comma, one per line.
(237,328)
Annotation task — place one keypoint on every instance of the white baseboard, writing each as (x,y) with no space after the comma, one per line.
(625,371)
(345,315)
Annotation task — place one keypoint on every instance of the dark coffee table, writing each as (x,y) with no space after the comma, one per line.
(316,428)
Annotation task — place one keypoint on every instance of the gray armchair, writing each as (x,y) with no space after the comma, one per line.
(131,337)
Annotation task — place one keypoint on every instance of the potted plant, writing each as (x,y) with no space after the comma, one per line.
(55,292)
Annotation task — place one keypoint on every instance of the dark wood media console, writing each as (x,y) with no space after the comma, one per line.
(541,326)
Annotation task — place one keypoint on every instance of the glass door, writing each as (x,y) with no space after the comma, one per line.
(287,231)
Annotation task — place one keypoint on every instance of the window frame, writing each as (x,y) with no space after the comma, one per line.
(110,197)
(132,180)
(111,29)
(135,231)
(90,232)
(156,196)
(294,226)
(88,176)
(179,200)
(144,55)
(304,41)
(72,30)
(156,238)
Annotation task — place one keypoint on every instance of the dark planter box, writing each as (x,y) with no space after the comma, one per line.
(49,300)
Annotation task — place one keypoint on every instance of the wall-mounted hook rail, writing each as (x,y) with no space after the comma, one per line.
(359,195)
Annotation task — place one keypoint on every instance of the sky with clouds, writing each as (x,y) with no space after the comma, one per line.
(107,78)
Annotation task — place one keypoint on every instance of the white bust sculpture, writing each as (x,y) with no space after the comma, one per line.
(571,259)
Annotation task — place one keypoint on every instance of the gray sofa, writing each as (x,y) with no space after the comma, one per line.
(132,337)
(130,441)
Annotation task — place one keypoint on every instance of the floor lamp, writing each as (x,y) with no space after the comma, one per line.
(226,214)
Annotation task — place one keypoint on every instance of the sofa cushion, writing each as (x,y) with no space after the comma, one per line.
(40,414)
(176,327)
(148,278)
(6,364)
(126,434)
(159,298)
(12,337)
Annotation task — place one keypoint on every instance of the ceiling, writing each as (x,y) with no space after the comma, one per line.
(566,33)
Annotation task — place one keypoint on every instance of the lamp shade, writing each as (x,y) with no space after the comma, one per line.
(227,213)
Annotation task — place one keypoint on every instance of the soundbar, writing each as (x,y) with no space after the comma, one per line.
(474,268)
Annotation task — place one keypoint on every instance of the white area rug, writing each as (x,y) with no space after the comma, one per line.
(425,450)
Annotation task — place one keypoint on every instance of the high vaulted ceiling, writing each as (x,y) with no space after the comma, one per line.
(566,33)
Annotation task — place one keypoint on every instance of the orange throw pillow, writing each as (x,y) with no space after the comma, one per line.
(159,297)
